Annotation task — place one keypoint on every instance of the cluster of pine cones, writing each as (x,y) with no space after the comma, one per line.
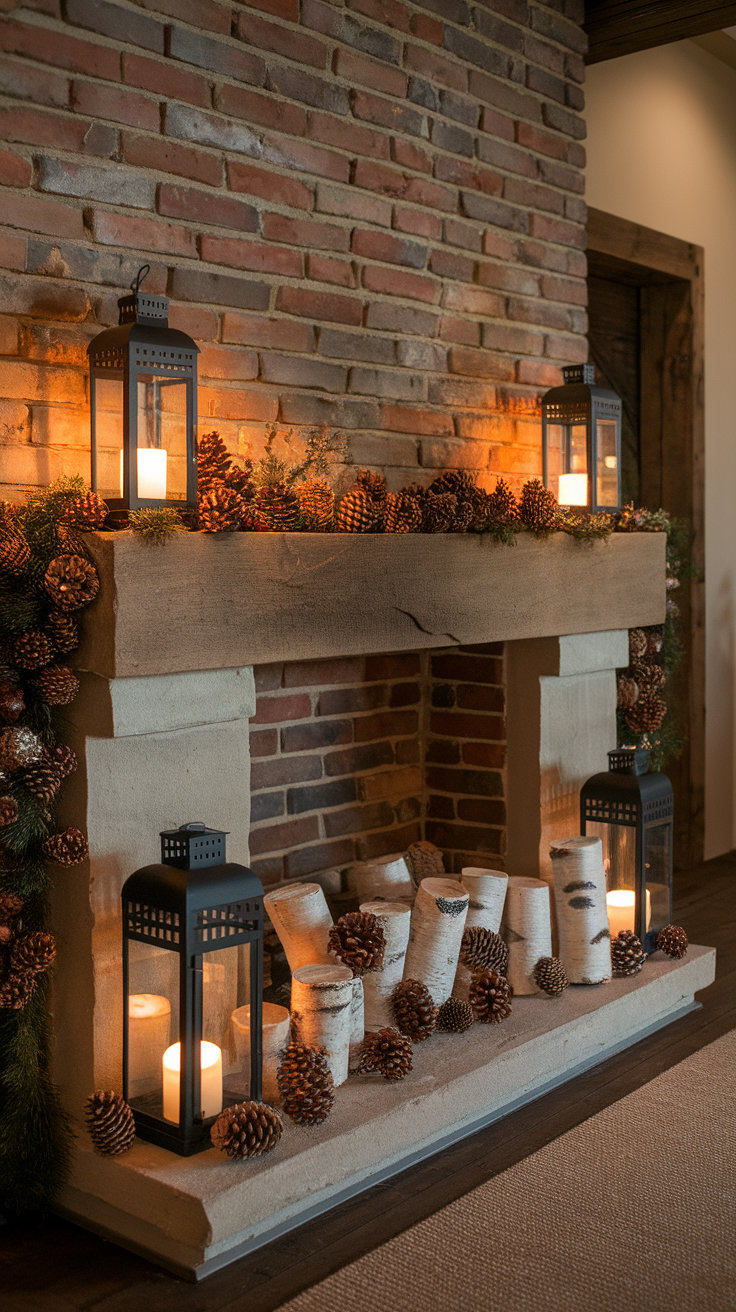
(25,955)
(453,503)
(639,687)
(230,499)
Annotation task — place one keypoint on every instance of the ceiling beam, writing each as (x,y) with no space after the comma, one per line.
(620,27)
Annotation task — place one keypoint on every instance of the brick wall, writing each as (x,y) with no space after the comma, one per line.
(368,213)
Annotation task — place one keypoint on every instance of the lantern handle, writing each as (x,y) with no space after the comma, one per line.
(142,273)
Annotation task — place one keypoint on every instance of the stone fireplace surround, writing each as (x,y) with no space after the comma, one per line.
(161,730)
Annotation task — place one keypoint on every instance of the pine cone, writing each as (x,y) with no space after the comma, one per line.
(455,1016)
(550,976)
(627,953)
(32,954)
(10,907)
(15,554)
(219,510)
(456,481)
(57,685)
(8,811)
(637,645)
(306,1084)
(67,848)
(213,461)
(71,582)
(19,748)
(502,507)
(32,650)
(358,940)
(403,513)
(43,781)
(464,517)
(110,1123)
(646,715)
(373,484)
(650,678)
(438,512)
(247,1129)
(481,949)
(355,513)
(276,508)
(672,940)
(63,632)
(12,702)
(425,861)
(385,1051)
(490,996)
(414,1010)
(316,504)
(16,991)
(538,508)
(63,759)
(627,692)
(86,511)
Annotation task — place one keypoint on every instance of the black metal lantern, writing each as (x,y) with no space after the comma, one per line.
(192,970)
(143,407)
(581,442)
(632,813)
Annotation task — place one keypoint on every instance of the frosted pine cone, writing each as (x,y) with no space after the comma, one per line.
(355,513)
(71,582)
(387,1052)
(219,510)
(455,1016)
(15,554)
(57,685)
(32,650)
(63,631)
(247,1129)
(358,940)
(627,953)
(110,1123)
(67,848)
(403,513)
(550,976)
(538,508)
(490,997)
(19,748)
(316,504)
(86,511)
(414,1010)
(672,940)
(481,949)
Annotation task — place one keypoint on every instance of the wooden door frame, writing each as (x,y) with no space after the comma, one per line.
(670,273)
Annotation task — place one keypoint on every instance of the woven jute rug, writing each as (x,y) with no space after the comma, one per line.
(634,1209)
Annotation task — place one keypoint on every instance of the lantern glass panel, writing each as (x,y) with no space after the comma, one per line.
(109,434)
(153,1021)
(225,992)
(607,493)
(658,866)
(162,438)
(567,463)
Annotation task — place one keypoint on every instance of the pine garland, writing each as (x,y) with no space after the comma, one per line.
(35,1135)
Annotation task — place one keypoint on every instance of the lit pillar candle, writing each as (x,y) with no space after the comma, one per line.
(573,489)
(620,906)
(151,473)
(149,1030)
(211,1082)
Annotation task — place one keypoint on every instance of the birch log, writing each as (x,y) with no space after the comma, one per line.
(487,891)
(301,918)
(437,924)
(378,985)
(389,878)
(321,1013)
(276,1025)
(582,918)
(357,1023)
(527,930)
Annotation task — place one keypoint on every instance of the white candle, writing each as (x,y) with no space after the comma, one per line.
(151,472)
(620,906)
(211,1084)
(149,1030)
(573,490)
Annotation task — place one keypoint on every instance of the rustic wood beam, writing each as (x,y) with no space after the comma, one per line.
(620,27)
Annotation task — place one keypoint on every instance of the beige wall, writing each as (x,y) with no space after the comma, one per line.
(662,152)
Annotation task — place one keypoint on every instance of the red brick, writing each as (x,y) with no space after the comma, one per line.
(427,29)
(288,9)
(464,174)
(400,666)
(251,255)
(463,331)
(482,811)
(497,124)
(284,41)
(43,128)
(373,245)
(40,215)
(478,783)
(359,697)
(392,840)
(303,232)
(340,272)
(404,419)
(301,371)
(389,12)
(348,136)
(385,724)
(166,80)
(480,697)
(446,835)
(418,222)
(389,182)
(358,819)
(480,364)
(200,324)
(12,252)
(533,195)
(490,756)
(508,278)
(200,13)
(252,405)
(392,283)
(321,856)
(274,710)
(189,283)
(471,300)
(440,808)
(285,770)
(142,234)
(226,363)
(63,51)
(540,375)
(255,330)
(27,82)
(206,52)
(353,205)
(410,156)
(369,73)
(270,870)
(434,67)
(567,348)
(264,742)
(443,751)
(314,734)
(14,170)
(571,291)
(320,305)
(169,157)
(272,838)
(268,677)
(115,104)
(296,84)
(302,155)
(389,114)
(310,674)
(206,207)
(446,264)
(458,233)
(120,24)
(405,694)
(269,186)
(506,337)
(467,668)
(541,142)
(255,107)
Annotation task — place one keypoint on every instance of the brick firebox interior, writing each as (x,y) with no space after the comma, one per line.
(369,215)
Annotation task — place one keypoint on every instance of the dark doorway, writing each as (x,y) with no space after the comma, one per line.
(646,339)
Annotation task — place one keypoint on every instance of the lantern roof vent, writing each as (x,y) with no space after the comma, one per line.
(193,846)
(579,373)
(143,307)
(628,760)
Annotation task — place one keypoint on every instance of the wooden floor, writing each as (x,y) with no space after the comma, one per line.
(60,1268)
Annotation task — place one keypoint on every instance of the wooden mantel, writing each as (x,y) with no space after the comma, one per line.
(203,602)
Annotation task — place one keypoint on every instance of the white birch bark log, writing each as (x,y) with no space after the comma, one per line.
(302,920)
(357,1023)
(487,892)
(527,930)
(321,1013)
(582,917)
(389,878)
(378,985)
(276,1027)
(437,924)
